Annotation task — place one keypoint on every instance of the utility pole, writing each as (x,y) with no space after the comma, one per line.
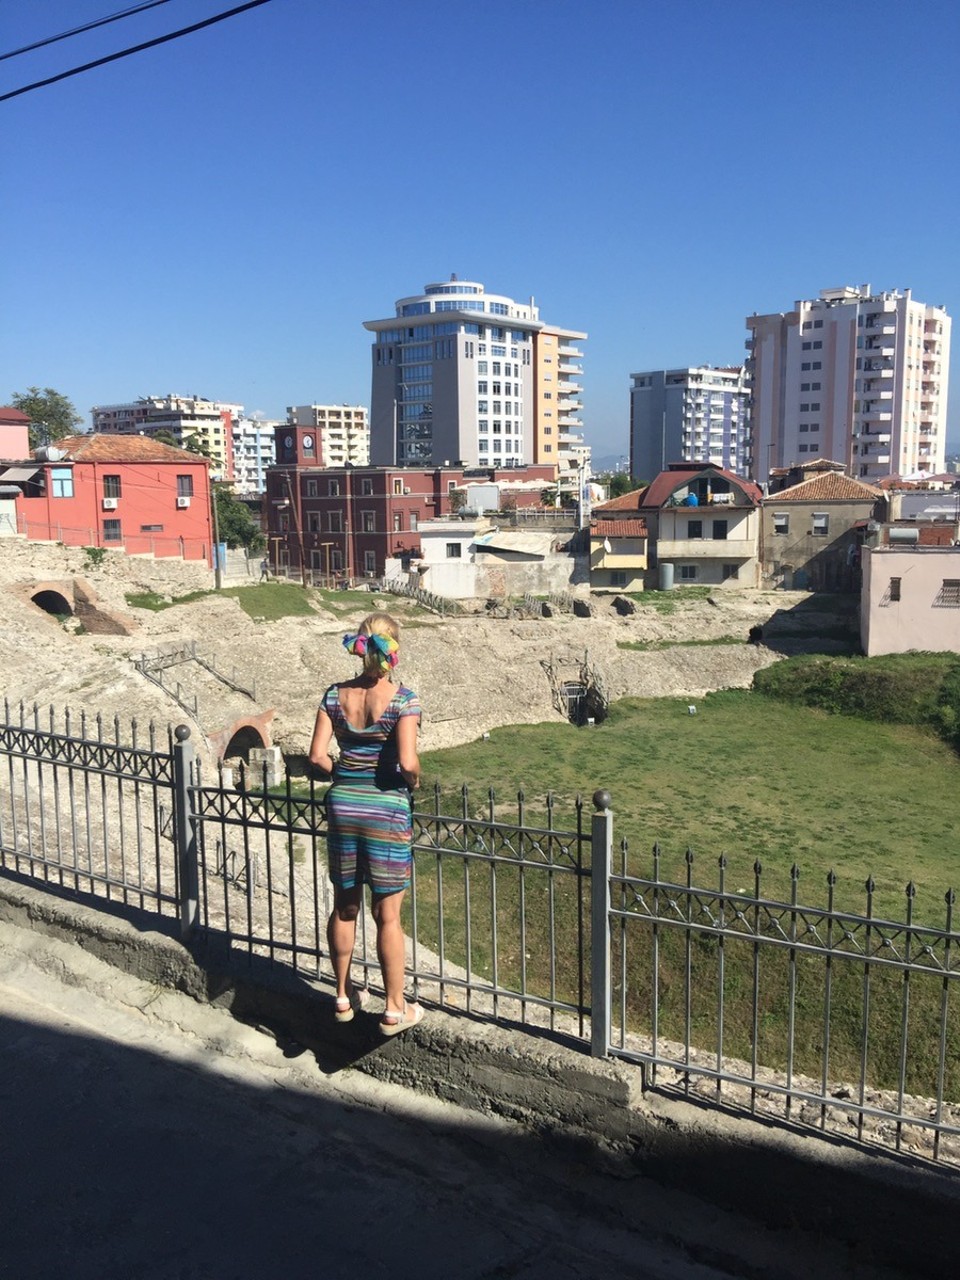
(217,571)
(294,491)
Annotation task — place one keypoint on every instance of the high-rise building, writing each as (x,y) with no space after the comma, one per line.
(853,376)
(688,415)
(254,450)
(183,418)
(461,376)
(342,432)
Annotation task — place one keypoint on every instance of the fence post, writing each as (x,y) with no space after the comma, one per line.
(185,830)
(601,852)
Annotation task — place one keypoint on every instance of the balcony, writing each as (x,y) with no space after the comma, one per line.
(876,415)
(706,548)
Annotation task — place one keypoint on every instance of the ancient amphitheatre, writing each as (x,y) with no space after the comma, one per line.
(474,673)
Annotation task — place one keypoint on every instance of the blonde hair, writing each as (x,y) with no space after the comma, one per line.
(378,624)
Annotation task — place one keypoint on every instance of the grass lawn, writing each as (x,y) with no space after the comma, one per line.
(266,601)
(750,778)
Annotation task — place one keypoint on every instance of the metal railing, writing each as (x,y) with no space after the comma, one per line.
(443,605)
(816,1016)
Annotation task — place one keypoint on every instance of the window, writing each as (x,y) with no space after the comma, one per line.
(311,488)
(729,571)
(370,562)
(333,488)
(694,528)
(397,522)
(313,522)
(949,597)
(369,521)
(111,531)
(688,572)
(894,589)
(184,486)
(618,578)
(413,521)
(397,486)
(334,522)
(454,550)
(151,528)
(61,482)
(821,524)
(781,522)
(111,486)
(719,530)
(366,486)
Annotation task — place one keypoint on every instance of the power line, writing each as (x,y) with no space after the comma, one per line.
(88,26)
(137,48)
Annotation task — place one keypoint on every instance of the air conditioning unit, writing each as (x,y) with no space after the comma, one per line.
(406,491)
(110,504)
(182,503)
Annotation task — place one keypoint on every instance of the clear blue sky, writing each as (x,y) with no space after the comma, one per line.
(219,215)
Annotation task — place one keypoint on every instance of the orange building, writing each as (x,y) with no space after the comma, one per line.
(130,493)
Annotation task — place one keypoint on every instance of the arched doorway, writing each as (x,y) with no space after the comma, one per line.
(245,740)
(53,602)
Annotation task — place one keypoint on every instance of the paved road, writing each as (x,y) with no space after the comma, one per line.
(143,1135)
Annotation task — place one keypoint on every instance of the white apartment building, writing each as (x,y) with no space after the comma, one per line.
(254,450)
(854,376)
(463,376)
(689,415)
(184,418)
(342,432)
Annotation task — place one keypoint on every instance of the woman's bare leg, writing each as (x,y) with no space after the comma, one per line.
(342,934)
(390,946)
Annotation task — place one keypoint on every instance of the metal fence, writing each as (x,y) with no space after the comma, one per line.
(815,1016)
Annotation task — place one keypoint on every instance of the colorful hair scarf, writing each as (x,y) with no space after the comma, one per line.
(384,647)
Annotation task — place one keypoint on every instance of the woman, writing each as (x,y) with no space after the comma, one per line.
(370,831)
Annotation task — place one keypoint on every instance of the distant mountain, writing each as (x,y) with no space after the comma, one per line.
(609,462)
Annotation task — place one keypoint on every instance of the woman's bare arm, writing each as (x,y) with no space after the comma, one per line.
(320,743)
(407,750)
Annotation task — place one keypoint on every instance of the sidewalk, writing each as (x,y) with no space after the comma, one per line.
(148,1133)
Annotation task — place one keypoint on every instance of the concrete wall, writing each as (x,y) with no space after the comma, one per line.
(925,616)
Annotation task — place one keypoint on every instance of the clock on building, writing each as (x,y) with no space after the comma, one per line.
(308,442)
(288,442)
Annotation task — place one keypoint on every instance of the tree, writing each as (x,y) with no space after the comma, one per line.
(618,483)
(52,416)
(237,526)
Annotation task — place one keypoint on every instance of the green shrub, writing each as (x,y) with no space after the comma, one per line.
(905,688)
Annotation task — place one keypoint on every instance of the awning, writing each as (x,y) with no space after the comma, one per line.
(531,544)
(18,474)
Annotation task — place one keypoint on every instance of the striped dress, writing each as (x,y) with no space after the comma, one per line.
(370,825)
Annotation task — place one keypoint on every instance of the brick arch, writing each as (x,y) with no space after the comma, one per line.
(53,599)
(248,729)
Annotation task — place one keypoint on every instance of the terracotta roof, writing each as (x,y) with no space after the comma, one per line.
(658,493)
(619,528)
(829,486)
(110,448)
(626,502)
(13,417)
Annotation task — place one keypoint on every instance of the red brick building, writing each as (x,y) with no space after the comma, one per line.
(131,493)
(346,522)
